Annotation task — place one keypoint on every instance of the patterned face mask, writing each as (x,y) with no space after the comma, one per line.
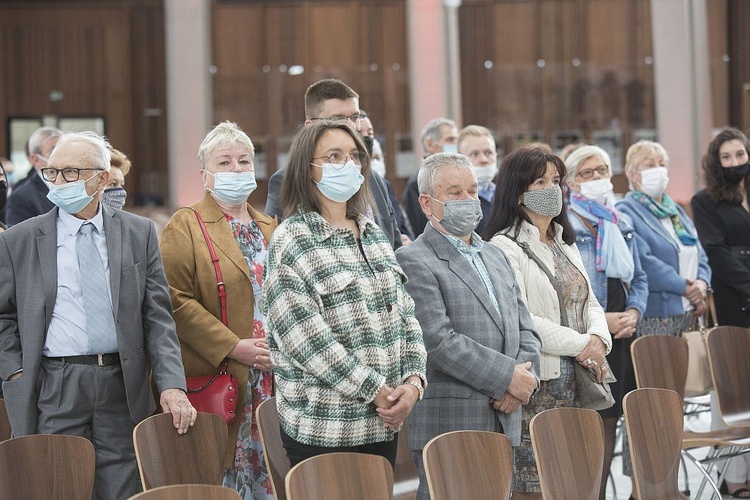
(546,202)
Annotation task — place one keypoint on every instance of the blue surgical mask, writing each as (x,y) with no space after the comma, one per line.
(340,182)
(450,148)
(114,197)
(233,188)
(71,197)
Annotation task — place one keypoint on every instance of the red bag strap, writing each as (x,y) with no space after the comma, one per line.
(219,280)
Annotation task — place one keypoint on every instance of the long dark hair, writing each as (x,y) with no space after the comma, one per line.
(517,171)
(717,187)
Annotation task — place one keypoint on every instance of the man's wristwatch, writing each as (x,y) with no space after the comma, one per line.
(419,388)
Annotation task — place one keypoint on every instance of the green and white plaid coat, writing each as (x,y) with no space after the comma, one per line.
(339,327)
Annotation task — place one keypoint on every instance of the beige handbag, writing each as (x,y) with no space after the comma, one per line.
(699,380)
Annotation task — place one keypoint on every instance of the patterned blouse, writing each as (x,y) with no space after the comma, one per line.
(340,326)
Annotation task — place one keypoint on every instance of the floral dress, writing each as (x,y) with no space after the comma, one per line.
(557,392)
(249,476)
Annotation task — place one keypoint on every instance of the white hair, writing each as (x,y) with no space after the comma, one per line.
(431,166)
(39,136)
(223,135)
(433,129)
(579,156)
(101,147)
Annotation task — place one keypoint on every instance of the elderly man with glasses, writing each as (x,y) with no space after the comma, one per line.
(85,318)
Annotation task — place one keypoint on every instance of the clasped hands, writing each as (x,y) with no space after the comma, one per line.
(521,387)
(696,293)
(394,405)
(594,356)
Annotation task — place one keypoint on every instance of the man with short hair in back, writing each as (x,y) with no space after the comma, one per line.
(476,143)
(439,135)
(85,319)
(482,350)
(332,99)
(29,198)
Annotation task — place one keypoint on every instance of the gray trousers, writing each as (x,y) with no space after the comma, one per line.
(90,401)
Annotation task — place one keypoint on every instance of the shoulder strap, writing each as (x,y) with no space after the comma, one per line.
(215,260)
(525,247)
(587,223)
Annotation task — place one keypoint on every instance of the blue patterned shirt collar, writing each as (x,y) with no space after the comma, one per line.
(73,224)
(470,250)
(487,192)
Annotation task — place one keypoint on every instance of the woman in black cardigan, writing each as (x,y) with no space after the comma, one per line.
(721,213)
(722,217)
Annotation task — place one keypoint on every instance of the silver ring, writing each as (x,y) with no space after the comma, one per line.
(594,363)
(589,361)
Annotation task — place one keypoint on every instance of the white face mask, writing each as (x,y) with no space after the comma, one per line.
(599,190)
(485,174)
(654,181)
(378,165)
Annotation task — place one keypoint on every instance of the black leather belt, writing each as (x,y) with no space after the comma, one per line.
(91,359)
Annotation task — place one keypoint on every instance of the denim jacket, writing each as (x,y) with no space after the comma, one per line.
(660,260)
(637,289)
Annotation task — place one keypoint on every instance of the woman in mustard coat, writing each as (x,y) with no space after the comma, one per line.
(240,236)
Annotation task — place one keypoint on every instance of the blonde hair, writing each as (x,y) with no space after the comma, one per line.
(223,135)
(120,161)
(640,150)
(474,131)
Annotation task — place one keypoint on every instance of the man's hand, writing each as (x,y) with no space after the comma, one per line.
(523,383)
(508,403)
(176,402)
(253,353)
(403,399)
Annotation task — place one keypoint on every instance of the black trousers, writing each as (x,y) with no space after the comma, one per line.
(298,452)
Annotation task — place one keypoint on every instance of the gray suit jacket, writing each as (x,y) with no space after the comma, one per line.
(385,217)
(471,348)
(142,309)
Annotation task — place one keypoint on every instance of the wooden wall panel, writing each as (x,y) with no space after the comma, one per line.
(107,58)
(739,63)
(362,43)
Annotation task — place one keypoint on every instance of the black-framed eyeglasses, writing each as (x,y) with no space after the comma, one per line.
(356,117)
(589,172)
(338,160)
(70,174)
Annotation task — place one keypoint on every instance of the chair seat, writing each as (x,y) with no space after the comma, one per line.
(732,436)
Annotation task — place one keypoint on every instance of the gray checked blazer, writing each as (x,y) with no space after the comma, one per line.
(471,348)
(142,309)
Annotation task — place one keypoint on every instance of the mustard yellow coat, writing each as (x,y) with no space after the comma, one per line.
(204,340)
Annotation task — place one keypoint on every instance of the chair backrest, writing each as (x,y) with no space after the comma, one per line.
(469,464)
(729,354)
(166,457)
(47,466)
(5,431)
(654,421)
(341,476)
(661,362)
(188,492)
(569,449)
(267,418)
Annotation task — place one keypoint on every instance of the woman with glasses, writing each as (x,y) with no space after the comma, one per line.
(606,241)
(240,236)
(348,355)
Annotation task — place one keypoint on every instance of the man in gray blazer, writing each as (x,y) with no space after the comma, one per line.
(85,317)
(482,350)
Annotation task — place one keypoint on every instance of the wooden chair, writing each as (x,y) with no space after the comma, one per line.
(729,355)
(569,449)
(277,462)
(166,458)
(5,431)
(469,464)
(341,476)
(188,492)
(661,361)
(47,466)
(653,418)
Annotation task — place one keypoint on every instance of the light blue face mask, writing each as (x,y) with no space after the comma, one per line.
(450,148)
(340,182)
(233,188)
(71,197)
